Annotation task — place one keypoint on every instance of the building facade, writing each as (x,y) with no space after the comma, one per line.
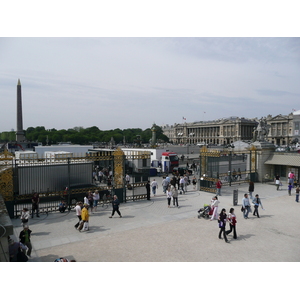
(283,130)
(223,131)
(280,129)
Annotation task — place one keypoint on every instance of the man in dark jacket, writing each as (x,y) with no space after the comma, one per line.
(25,239)
(115,204)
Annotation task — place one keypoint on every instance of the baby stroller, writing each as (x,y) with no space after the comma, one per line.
(204,212)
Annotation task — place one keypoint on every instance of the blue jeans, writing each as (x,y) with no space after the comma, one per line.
(297,197)
(218,192)
(154,190)
(165,188)
(246,211)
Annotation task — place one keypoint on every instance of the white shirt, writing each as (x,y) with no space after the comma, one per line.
(78,210)
(215,203)
(96,196)
(154,183)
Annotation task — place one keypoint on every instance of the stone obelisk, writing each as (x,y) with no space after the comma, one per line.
(19,133)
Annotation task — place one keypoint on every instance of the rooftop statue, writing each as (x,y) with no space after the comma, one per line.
(261,132)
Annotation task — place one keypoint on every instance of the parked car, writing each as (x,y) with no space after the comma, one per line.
(181,171)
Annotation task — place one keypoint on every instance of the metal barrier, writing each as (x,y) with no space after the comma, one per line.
(21,178)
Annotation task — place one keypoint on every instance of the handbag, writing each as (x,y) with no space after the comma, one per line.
(242,209)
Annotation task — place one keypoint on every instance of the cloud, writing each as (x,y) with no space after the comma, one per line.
(132,82)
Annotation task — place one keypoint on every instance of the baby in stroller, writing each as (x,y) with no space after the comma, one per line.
(204,212)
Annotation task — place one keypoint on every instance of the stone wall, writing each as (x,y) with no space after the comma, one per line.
(6,229)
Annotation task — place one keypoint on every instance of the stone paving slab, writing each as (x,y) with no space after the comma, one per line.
(151,232)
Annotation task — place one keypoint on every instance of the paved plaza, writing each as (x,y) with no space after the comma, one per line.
(151,232)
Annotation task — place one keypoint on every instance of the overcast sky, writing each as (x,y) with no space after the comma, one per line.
(133,82)
(139,71)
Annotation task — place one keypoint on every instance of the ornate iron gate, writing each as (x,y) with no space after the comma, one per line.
(231,167)
(20,178)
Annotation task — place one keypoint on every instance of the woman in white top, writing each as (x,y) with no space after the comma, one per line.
(96,198)
(86,200)
(214,205)
(25,216)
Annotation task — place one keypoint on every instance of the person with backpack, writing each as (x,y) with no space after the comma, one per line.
(256,201)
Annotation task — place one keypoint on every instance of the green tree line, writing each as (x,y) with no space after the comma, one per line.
(80,135)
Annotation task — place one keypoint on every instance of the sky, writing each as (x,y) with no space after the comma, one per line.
(134,81)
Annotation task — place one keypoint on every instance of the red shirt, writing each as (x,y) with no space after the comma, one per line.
(219,184)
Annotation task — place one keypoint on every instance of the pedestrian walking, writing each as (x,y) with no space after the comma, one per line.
(25,216)
(214,207)
(35,204)
(127,178)
(182,183)
(291,177)
(251,189)
(277,182)
(91,200)
(96,198)
(78,208)
(246,206)
(148,189)
(115,205)
(175,196)
(24,237)
(232,221)
(186,182)
(290,186)
(86,200)
(154,187)
(218,187)
(297,193)
(256,201)
(100,176)
(84,218)
(165,184)
(169,196)
(194,182)
(222,224)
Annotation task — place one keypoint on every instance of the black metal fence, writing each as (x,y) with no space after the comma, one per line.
(70,179)
(230,167)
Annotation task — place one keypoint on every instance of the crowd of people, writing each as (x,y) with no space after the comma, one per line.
(172,187)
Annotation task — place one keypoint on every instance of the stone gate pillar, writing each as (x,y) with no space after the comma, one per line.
(262,150)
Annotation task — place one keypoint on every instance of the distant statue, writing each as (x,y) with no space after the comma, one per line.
(262,130)
(153,139)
